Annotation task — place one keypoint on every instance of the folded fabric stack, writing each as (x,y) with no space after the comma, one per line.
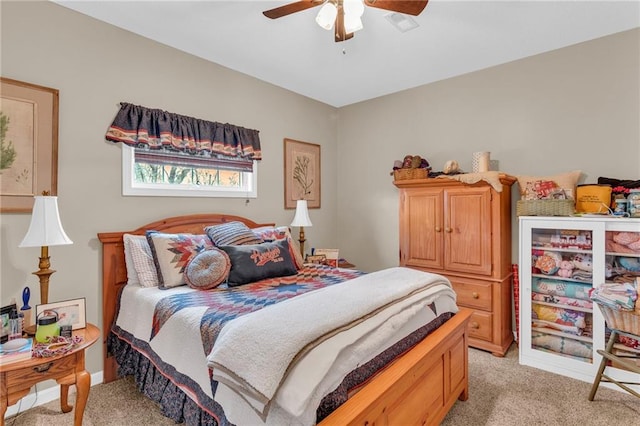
(616,295)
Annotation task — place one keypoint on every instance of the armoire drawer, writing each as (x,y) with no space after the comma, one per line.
(481,326)
(476,295)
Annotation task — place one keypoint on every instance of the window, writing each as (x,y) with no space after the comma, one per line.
(183,175)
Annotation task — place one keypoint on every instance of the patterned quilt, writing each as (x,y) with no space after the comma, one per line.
(227,303)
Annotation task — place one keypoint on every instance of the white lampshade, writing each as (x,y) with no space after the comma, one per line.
(45,228)
(302,214)
(327,15)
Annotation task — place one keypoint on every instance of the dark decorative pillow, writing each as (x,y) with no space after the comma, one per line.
(232,233)
(207,269)
(257,262)
(172,252)
(272,233)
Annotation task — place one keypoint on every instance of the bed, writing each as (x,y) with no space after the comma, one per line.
(417,385)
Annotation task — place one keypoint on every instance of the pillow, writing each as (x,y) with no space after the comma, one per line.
(172,252)
(142,260)
(257,262)
(132,275)
(272,233)
(547,187)
(207,269)
(232,233)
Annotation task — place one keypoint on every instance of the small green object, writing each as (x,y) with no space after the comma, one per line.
(47,327)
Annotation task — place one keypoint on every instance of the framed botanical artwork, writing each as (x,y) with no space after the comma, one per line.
(301,173)
(69,312)
(28,143)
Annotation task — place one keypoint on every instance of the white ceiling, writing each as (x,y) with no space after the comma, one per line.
(293,52)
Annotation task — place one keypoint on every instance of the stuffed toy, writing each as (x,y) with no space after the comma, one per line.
(411,162)
(451,167)
(566,269)
(415,162)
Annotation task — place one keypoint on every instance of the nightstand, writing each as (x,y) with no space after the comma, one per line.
(17,379)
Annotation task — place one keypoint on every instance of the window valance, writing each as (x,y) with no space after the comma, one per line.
(155,129)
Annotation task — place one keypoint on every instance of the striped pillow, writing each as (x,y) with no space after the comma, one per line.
(142,260)
(232,234)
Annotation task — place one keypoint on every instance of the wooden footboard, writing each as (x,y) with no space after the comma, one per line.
(418,388)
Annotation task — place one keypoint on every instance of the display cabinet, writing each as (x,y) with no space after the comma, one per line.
(561,260)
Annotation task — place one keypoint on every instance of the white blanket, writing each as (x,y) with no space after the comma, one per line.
(254,353)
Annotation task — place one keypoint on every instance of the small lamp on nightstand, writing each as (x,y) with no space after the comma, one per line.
(45,230)
(301,219)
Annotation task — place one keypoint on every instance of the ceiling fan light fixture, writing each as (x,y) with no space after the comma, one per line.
(352,23)
(327,15)
(353,8)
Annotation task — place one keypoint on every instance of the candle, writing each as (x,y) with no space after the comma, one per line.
(483,162)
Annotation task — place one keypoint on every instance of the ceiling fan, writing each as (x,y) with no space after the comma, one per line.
(345,14)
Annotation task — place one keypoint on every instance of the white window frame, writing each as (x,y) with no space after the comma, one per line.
(129,187)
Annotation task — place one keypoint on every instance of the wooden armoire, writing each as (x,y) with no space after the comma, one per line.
(463,231)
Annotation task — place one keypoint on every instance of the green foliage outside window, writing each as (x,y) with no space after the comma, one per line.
(184,175)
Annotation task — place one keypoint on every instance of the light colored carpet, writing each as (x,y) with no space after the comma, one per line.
(502,392)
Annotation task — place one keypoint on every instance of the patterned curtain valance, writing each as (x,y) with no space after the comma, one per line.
(157,129)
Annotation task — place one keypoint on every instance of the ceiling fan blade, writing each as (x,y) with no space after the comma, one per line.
(290,8)
(341,34)
(409,7)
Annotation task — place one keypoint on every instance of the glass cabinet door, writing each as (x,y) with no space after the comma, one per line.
(561,271)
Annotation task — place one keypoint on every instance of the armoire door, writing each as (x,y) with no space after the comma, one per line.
(421,228)
(467,230)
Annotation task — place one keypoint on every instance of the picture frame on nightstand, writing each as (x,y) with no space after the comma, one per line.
(5,312)
(330,254)
(70,312)
(316,259)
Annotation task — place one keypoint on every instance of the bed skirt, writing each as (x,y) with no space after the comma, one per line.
(159,382)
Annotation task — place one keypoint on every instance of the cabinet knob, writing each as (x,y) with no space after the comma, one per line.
(448,230)
(438,229)
(475,295)
(474,325)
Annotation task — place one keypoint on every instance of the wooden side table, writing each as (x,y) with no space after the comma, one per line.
(17,379)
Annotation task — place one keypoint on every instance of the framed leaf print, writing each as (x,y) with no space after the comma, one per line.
(28,143)
(301,173)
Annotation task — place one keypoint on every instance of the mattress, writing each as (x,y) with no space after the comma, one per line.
(175,353)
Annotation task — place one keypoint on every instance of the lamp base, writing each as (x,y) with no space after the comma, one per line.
(31,330)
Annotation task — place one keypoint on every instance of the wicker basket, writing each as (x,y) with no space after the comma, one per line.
(402,174)
(628,321)
(545,207)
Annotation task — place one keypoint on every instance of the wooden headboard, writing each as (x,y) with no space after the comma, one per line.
(114,271)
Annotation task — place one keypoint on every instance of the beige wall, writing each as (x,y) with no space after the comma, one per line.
(576,108)
(95,66)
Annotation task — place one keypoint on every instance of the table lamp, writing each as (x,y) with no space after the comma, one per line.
(45,230)
(301,219)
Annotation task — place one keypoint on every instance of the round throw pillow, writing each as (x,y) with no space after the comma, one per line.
(207,269)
